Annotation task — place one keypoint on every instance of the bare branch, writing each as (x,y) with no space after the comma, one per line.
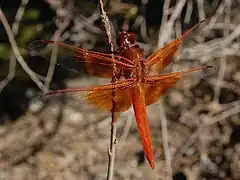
(15,28)
(113,139)
(17,53)
(62,25)
(223,59)
(167,152)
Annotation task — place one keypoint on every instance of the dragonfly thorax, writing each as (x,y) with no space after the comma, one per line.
(139,71)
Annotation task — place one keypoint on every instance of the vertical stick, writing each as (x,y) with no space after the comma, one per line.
(113,141)
(167,152)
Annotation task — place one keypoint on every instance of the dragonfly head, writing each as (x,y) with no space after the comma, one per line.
(126,39)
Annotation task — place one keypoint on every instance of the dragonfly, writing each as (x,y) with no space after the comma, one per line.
(138,80)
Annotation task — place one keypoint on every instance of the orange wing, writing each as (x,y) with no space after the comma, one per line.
(153,91)
(156,85)
(162,57)
(72,58)
(101,96)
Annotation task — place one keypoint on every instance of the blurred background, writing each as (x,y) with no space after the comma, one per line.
(56,139)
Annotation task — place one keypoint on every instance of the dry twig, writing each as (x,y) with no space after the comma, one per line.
(62,25)
(17,53)
(15,28)
(165,137)
(223,59)
(113,139)
(164,34)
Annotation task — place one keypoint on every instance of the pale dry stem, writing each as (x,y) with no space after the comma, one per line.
(12,61)
(17,53)
(113,138)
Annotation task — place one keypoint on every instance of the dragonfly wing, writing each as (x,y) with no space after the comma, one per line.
(157,85)
(78,59)
(163,56)
(101,97)
(103,100)
(153,91)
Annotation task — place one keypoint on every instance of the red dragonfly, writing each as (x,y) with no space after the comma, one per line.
(137,87)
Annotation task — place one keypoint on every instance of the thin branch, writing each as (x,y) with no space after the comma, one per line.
(223,116)
(126,129)
(223,60)
(167,25)
(62,25)
(113,139)
(106,25)
(164,35)
(18,17)
(163,23)
(189,11)
(167,153)
(17,52)
(15,28)
(185,146)
(11,73)
(112,149)
(201,12)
